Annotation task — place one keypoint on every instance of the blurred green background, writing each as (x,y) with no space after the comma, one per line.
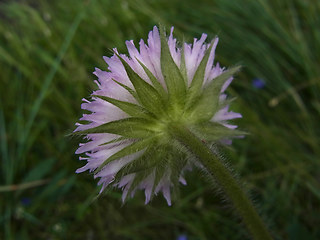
(48,51)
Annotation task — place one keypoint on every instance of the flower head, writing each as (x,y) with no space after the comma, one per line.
(129,145)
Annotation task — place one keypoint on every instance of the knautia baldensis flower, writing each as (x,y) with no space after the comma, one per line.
(140,97)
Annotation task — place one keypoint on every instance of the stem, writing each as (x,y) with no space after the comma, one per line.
(22,186)
(224,179)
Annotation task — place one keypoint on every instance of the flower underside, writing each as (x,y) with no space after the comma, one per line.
(139,98)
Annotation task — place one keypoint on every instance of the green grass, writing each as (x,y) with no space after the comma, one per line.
(48,50)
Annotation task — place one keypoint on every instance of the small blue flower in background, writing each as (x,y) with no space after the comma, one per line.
(25,201)
(258,83)
(182,237)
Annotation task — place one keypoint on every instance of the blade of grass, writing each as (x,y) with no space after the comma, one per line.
(49,78)
(6,165)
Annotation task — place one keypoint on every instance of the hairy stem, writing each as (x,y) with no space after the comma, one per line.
(224,179)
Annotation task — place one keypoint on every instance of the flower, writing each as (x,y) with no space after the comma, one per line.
(129,145)
(258,83)
(25,201)
(182,237)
